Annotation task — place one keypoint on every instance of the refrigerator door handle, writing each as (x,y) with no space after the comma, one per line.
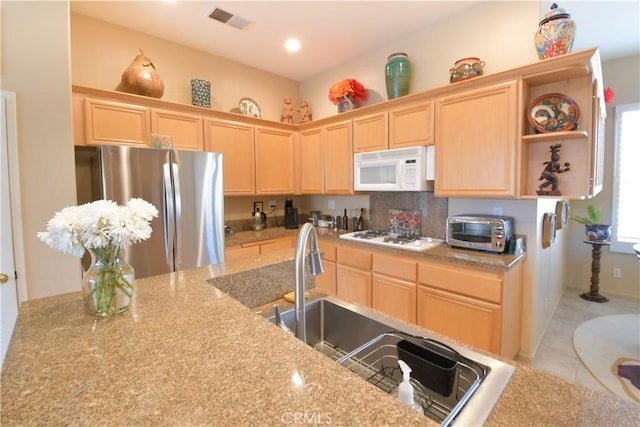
(178,215)
(169,222)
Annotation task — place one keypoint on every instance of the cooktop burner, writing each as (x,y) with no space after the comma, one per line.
(400,241)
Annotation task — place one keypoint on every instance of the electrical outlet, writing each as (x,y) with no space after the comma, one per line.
(331,204)
(617,272)
(497,211)
(272,204)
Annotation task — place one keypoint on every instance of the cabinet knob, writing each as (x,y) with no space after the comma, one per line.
(3,278)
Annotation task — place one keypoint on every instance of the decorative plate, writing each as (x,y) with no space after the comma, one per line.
(554,112)
(249,107)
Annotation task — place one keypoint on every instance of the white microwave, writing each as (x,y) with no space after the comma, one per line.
(402,169)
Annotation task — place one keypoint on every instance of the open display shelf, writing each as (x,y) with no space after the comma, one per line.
(579,80)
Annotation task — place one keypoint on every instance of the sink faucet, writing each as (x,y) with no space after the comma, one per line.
(307,233)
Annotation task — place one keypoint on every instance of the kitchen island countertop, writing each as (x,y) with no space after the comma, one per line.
(186,353)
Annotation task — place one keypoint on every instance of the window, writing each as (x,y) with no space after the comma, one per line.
(626,179)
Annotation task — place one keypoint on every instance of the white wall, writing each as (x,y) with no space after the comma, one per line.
(101,51)
(622,76)
(35,65)
(500,33)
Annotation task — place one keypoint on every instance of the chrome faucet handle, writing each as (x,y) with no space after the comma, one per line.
(278,319)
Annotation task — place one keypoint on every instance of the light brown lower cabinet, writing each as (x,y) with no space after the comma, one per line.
(353,285)
(353,275)
(481,308)
(327,282)
(394,297)
(394,286)
(261,247)
(473,322)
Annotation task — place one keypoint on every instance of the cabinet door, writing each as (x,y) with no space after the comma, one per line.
(338,159)
(394,297)
(235,142)
(186,129)
(353,285)
(370,133)
(274,161)
(473,322)
(108,122)
(476,139)
(326,282)
(311,162)
(412,125)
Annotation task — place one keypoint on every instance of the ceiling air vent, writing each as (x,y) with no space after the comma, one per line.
(228,18)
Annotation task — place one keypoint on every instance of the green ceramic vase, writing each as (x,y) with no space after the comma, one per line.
(397,75)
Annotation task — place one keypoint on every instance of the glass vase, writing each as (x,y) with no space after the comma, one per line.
(107,284)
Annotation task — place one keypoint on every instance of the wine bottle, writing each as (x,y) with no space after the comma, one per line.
(345,221)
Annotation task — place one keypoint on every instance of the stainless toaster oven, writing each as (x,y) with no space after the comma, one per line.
(484,232)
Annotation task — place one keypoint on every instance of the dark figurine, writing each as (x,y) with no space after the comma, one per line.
(551,168)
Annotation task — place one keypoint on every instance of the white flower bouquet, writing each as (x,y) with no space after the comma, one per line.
(104,228)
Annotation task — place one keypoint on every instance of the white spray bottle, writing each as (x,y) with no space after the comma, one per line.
(405,389)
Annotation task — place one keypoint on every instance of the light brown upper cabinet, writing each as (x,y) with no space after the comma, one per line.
(312,161)
(412,125)
(338,158)
(185,128)
(370,132)
(236,143)
(577,77)
(326,159)
(274,161)
(117,123)
(476,140)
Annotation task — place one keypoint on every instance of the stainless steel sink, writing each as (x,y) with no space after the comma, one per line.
(334,329)
(358,338)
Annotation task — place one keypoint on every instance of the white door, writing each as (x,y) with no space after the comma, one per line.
(8,285)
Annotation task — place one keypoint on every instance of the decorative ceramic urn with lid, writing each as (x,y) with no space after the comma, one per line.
(555,34)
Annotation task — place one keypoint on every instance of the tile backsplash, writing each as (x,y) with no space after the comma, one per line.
(434,210)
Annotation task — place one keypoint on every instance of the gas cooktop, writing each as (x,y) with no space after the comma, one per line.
(392,240)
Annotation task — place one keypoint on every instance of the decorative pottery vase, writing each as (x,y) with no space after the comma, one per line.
(346,103)
(107,285)
(598,232)
(397,75)
(555,34)
(141,78)
(466,68)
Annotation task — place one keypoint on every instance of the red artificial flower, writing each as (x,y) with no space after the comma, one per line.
(347,86)
(608,95)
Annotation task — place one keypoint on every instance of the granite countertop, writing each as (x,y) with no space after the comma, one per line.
(186,353)
(442,253)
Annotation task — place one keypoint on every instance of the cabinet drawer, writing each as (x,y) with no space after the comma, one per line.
(395,266)
(485,285)
(357,258)
(272,246)
(233,253)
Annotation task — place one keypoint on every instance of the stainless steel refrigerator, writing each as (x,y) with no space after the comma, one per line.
(185,187)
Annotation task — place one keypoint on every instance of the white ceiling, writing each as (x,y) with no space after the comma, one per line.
(331,32)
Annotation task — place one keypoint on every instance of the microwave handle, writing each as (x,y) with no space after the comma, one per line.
(403,173)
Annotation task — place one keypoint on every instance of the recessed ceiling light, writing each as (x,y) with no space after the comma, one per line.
(292,45)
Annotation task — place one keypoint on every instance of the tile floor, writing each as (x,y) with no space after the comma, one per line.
(556,354)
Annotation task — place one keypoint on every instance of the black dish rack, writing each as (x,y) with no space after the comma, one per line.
(443,379)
